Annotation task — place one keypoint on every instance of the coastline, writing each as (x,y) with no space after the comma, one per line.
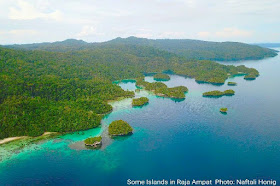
(10,139)
(6,140)
(14,139)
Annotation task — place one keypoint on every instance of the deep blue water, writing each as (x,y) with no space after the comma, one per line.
(172,139)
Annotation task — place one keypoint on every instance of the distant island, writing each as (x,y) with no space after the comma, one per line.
(161,77)
(119,128)
(187,48)
(223,110)
(93,141)
(140,101)
(160,89)
(217,93)
(232,83)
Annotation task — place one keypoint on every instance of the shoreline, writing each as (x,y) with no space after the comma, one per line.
(6,140)
(10,139)
(15,138)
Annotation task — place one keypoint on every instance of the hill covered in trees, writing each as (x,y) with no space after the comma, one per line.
(68,90)
(190,49)
(203,50)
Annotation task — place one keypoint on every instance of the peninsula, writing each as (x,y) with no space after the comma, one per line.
(251,76)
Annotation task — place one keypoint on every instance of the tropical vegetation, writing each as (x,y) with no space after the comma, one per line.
(140,101)
(190,49)
(232,83)
(93,141)
(65,86)
(161,77)
(161,89)
(217,93)
(223,110)
(119,128)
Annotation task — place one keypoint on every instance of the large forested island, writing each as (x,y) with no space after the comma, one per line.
(65,86)
(119,128)
(190,49)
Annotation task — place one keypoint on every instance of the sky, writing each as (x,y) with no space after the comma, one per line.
(33,21)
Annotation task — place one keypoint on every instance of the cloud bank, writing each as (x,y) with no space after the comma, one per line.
(95,20)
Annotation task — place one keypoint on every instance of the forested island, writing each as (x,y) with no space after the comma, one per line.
(187,48)
(217,93)
(203,50)
(160,89)
(119,128)
(161,77)
(93,141)
(140,101)
(223,110)
(232,83)
(65,86)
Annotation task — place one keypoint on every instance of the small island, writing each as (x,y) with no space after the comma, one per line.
(160,89)
(140,101)
(217,93)
(93,141)
(161,77)
(232,83)
(119,128)
(175,92)
(223,110)
(229,92)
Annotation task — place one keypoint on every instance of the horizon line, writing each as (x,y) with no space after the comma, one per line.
(90,42)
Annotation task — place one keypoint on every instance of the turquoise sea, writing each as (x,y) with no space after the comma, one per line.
(173,139)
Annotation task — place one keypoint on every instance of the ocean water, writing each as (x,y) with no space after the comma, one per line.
(173,139)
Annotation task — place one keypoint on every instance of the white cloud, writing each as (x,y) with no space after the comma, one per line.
(173,35)
(233,33)
(226,33)
(96,20)
(203,34)
(28,11)
(23,32)
(17,35)
(144,35)
(20,32)
(88,30)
